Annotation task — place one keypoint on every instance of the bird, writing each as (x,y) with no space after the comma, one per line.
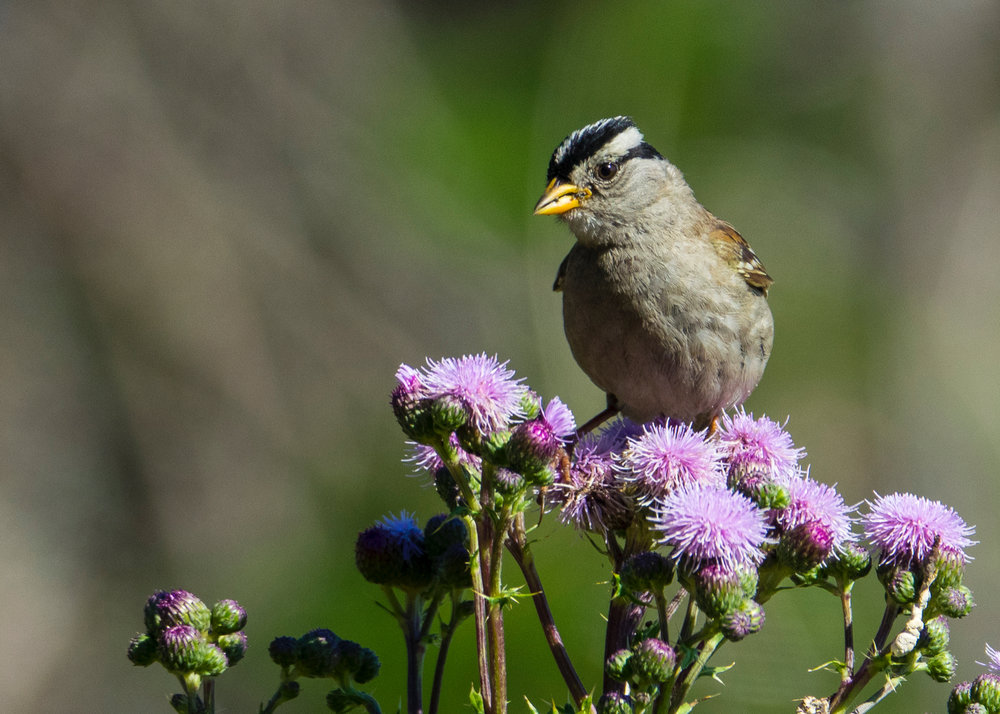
(664,305)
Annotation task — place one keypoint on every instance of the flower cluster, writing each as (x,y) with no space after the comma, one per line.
(190,640)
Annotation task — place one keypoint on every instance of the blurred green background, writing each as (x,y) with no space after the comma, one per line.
(224,224)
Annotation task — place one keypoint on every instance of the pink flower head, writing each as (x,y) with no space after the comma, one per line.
(484,386)
(665,457)
(706,523)
(902,527)
(757,449)
(812,502)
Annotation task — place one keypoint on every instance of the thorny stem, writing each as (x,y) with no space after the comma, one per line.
(857,681)
(845,603)
(517,544)
(689,675)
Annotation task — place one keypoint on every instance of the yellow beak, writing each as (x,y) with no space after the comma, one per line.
(559,198)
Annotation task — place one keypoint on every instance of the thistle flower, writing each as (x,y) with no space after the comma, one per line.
(166,608)
(757,449)
(707,524)
(902,528)
(665,457)
(593,500)
(533,444)
(393,553)
(818,517)
(483,385)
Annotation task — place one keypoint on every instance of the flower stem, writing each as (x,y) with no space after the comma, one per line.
(447,632)
(415,649)
(517,545)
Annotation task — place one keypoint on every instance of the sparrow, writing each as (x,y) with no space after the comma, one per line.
(664,305)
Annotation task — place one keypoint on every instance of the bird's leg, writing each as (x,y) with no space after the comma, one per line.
(609,411)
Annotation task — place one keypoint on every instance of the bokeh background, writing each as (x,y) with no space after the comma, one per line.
(224,224)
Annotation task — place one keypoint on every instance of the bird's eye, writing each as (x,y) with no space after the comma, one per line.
(606,171)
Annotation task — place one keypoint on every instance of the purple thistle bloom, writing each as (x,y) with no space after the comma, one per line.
(487,390)
(757,448)
(593,500)
(810,501)
(559,419)
(903,528)
(665,457)
(707,524)
(994,660)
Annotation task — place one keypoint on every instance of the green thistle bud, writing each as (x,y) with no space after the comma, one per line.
(950,570)
(648,571)
(900,584)
(955,602)
(805,546)
(316,653)
(745,620)
(618,665)
(977,708)
(653,661)
(213,661)
(183,650)
(531,405)
(718,590)
(614,703)
(960,698)
(986,690)
(941,667)
(176,607)
(233,645)
(142,650)
(448,414)
(227,617)
(849,562)
(935,637)
(284,651)
(412,409)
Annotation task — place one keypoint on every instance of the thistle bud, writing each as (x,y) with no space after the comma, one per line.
(284,651)
(960,698)
(941,667)
(233,645)
(227,617)
(805,546)
(142,650)
(900,584)
(442,531)
(849,562)
(448,414)
(986,690)
(183,650)
(955,602)
(648,571)
(747,619)
(316,653)
(718,590)
(935,637)
(614,703)
(618,665)
(653,661)
(176,607)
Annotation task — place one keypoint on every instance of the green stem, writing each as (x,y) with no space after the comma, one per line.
(415,650)
(447,632)
(689,675)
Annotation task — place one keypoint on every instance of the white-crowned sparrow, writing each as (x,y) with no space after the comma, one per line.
(664,305)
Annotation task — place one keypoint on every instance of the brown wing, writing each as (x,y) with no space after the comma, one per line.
(737,252)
